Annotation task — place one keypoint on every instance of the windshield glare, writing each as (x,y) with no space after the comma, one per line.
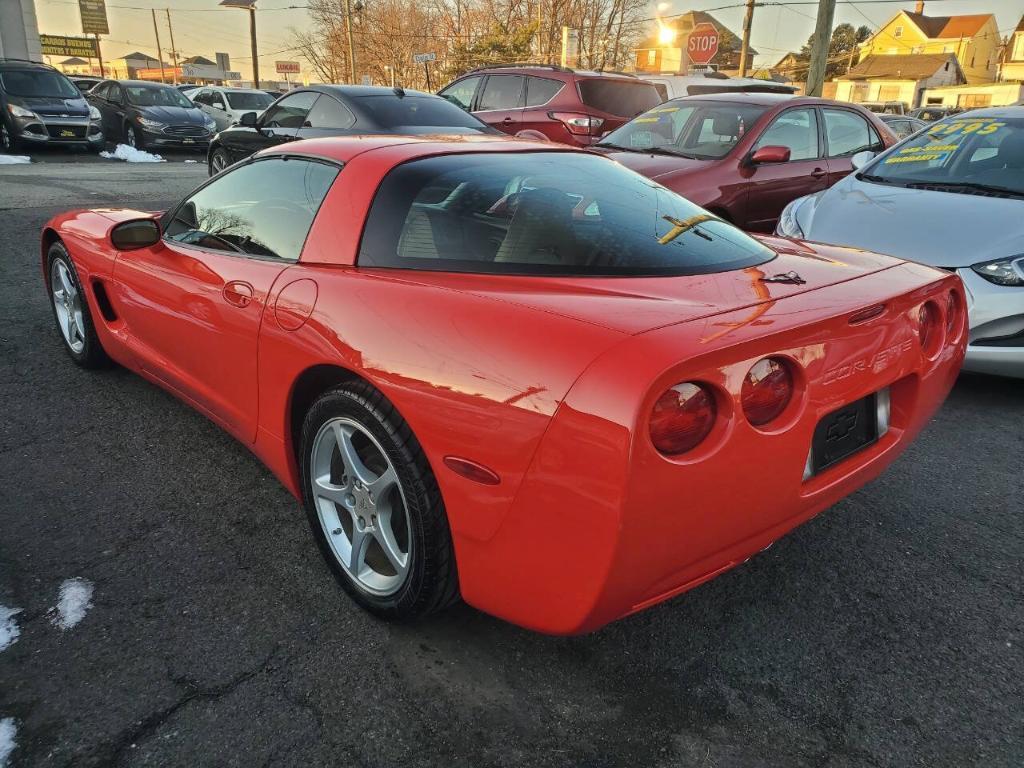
(255,100)
(985,151)
(150,96)
(544,213)
(38,83)
(702,129)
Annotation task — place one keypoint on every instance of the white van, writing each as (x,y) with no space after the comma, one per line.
(674,86)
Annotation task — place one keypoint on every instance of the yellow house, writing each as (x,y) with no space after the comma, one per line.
(974,39)
(1012,66)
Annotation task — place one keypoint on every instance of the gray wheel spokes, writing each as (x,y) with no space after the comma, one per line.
(385,536)
(353,463)
(68,307)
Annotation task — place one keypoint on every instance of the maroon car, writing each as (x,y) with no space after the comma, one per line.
(744,156)
(546,101)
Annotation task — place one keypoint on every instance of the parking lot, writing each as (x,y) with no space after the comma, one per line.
(885,632)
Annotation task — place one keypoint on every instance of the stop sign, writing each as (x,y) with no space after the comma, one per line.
(703,43)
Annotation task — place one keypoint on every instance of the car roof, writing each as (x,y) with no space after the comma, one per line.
(545,70)
(26,64)
(355,91)
(146,83)
(744,97)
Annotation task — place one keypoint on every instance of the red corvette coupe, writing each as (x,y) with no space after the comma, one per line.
(512,371)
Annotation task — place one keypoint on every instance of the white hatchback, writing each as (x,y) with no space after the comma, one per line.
(227,105)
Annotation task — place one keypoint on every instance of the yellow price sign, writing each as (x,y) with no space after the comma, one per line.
(982,127)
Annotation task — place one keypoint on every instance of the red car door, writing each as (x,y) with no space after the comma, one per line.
(772,186)
(846,134)
(193,303)
(500,103)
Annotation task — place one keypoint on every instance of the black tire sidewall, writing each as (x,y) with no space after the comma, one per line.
(13,143)
(418,487)
(222,152)
(92,354)
(139,141)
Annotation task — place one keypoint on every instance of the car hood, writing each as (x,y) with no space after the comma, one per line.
(943,229)
(174,115)
(637,304)
(53,105)
(652,166)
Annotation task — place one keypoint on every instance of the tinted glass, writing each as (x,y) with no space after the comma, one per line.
(255,100)
(961,154)
(418,114)
(502,92)
(689,128)
(217,99)
(155,96)
(619,97)
(28,82)
(328,113)
(264,208)
(796,129)
(540,90)
(848,133)
(201,97)
(543,213)
(461,93)
(291,111)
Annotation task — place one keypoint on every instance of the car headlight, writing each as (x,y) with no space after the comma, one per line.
(94,114)
(17,111)
(145,122)
(210,123)
(787,225)
(1003,271)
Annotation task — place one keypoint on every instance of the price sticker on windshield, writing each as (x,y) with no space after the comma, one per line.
(980,126)
(933,153)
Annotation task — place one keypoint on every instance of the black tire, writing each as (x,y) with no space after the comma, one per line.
(218,154)
(92,354)
(139,141)
(8,142)
(432,582)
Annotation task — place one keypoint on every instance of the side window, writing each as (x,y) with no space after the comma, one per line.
(216,100)
(116,93)
(291,111)
(102,90)
(796,129)
(461,93)
(201,97)
(329,113)
(263,208)
(540,90)
(502,92)
(848,133)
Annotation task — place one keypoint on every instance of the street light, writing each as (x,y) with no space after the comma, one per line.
(250,6)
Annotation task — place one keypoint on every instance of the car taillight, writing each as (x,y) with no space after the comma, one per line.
(953,314)
(681,418)
(928,326)
(580,124)
(767,390)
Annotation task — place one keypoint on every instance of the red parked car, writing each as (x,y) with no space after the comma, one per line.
(512,370)
(745,156)
(540,101)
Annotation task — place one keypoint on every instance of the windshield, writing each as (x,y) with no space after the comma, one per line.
(700,129)
(254,100)
(26,82)
(542,213)
(394,112)
(155,96)
(623,98)
(964,151)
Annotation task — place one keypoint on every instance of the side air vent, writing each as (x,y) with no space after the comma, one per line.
(103,301)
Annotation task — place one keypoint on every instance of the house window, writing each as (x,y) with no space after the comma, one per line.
(652,57)
(974,100)
(898,32)
(888,93)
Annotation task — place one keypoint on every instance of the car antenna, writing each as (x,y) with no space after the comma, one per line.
(399,91)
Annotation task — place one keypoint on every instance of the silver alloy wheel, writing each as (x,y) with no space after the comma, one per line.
(129,135)
(68,304)
(5,137)
(219,162)
(361,506)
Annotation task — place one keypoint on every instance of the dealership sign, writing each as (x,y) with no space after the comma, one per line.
(703,43)
(287,67)
(94,17)
(58,45)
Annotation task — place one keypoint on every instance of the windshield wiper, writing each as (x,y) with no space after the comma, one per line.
(670,153)
(967,187)
(608,145)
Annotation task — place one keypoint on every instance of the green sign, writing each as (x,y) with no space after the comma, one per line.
(94,17)
(57,45)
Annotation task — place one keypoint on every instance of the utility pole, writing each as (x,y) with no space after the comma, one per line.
(159,53)
(252,43)
(351,45)
(748,22)
(99,55)
(819,49)
(174,51)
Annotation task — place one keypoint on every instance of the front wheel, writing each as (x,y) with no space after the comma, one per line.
(133,137)
(71,310)
(219,160)
(374,506)
(8,144)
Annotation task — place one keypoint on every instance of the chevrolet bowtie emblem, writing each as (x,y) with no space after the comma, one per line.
(785,277)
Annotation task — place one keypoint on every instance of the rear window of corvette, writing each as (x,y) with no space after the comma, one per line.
(544,213)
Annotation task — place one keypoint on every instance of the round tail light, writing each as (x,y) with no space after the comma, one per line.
(767,390)
(681,418)
(928,326)
(953,315)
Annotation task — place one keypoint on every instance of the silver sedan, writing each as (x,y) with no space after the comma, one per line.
(950,197)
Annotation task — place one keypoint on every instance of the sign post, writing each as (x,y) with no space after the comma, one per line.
(702,44)
(425,59)
(94,22)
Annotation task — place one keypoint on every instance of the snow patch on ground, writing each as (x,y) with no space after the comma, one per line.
(74,601)
(8,626)
(14,159)
(132,155)
(8,730)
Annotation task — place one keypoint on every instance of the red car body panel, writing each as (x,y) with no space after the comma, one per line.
(548,382)
(750,196)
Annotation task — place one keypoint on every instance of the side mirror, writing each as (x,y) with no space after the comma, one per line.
(861,159)
(770,154)
(248,120)
(134,234)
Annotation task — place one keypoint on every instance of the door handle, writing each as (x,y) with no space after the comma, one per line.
(817,173)
(238,293)
(508,120)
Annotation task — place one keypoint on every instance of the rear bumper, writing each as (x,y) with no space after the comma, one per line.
(604,525)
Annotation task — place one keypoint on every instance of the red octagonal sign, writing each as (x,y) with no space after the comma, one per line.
(703,44)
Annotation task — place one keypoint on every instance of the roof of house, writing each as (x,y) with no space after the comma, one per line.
(138,55)
(1020,25)
(914,66)
(945,27)
(198,60)
(74,61)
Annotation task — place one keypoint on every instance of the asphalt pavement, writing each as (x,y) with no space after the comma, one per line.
(886,632)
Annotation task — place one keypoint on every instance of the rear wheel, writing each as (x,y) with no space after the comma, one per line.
(71,310)
(374,506)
